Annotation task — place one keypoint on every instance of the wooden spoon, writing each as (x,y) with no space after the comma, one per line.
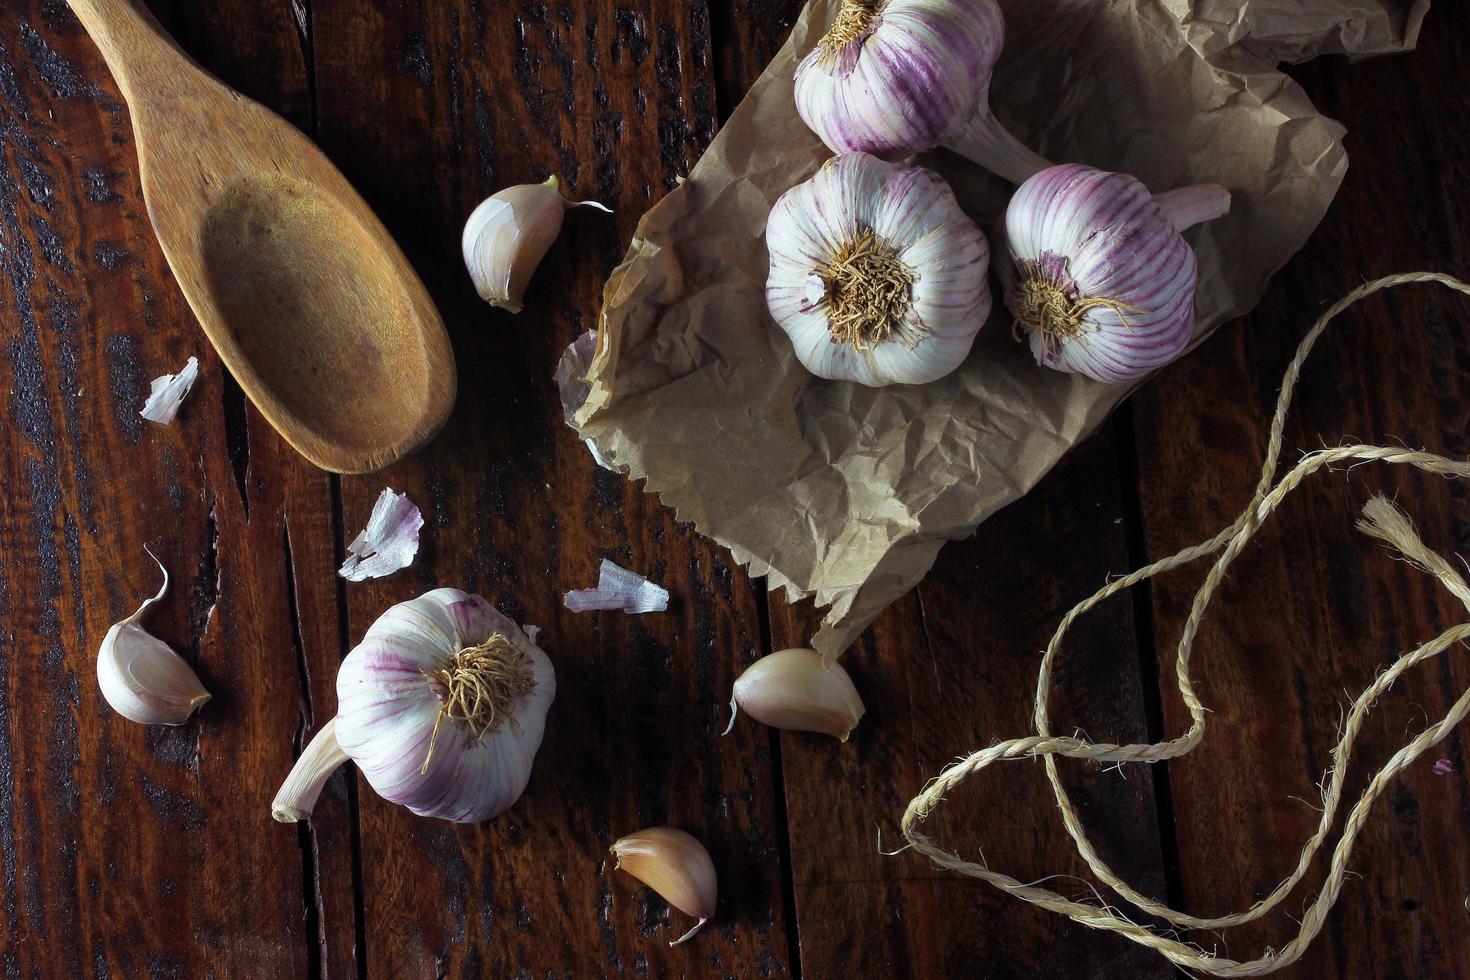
(306,297)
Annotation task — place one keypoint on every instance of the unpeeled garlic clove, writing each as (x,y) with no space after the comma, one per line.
(794,690)
(675,865)
(506,237)
(141,677)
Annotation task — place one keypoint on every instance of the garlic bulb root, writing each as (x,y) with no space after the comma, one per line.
(674,864)
(303,786)
(479,687)
(794,690)
(866,288)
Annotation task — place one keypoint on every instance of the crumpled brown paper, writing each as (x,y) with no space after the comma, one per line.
(846,493)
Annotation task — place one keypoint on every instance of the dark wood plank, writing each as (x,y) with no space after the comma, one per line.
(131,851)
(429,107)
(1314,610)
(947,670)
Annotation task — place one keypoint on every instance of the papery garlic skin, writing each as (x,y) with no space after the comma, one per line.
(507,236)
(899,77)
(876,274)
(389,706)
(167,393)
(388,543)
(141,677)
(795,691)
(1098,276)
(674,864)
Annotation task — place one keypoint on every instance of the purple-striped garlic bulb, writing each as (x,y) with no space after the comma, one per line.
(899,77)
(1099,278)
(877,276)
(442,706)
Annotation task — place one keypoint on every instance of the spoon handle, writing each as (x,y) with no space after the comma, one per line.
(143,58)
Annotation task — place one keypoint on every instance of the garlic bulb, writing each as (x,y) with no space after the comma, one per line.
(506,237)
(442,706)
(674,864)
(1101,281)
(796,691)
(898,77)
(876,274)
(141,677)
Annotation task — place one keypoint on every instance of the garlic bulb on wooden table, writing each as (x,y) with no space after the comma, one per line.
(1098,277)
(442,706)
(876,274)
(899,77)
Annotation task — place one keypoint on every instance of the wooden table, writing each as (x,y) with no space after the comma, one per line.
(130,851)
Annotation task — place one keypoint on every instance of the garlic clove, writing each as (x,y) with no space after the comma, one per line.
(141,677)
(793,690)
(509,233)
(298,794)
(674,864)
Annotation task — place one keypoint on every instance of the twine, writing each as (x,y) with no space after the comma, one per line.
(1381,520)
(479,687)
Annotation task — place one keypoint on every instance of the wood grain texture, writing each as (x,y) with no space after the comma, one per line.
(1314,610)
(949,669)
(304,295)
(432,107)
(132,851)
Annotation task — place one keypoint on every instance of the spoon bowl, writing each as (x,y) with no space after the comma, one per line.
(303,293)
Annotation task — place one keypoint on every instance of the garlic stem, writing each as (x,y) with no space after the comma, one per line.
(298,794)
(1186,207)
(985,141)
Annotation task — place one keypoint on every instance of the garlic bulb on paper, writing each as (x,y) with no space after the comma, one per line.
(442,706)
(1102,282)
(876,274)
(506,237)
(898,77)
(795,691)
(674,864)
(141,677)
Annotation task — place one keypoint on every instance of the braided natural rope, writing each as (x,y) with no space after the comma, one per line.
(1381,520)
